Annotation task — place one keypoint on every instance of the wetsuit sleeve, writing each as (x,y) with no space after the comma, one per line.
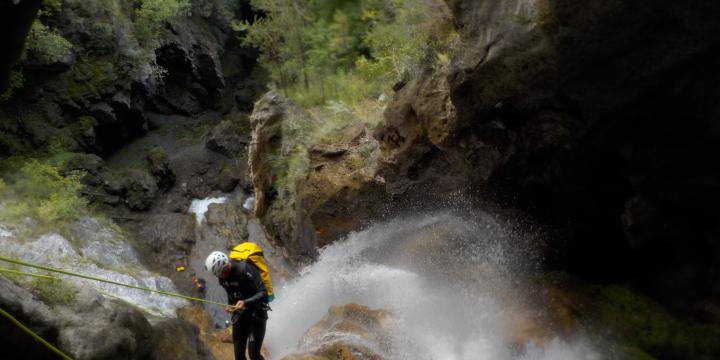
(229,296)
(257,284)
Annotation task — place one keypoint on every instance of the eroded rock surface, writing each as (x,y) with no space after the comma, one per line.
(92,327)
(308,197)
(347,332)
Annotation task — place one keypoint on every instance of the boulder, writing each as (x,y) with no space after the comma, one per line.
(140,191)
(136,188)
(225,139)
(157,160)
(330,336)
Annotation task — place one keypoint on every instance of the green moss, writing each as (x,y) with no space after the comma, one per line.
(640,322)
(90,79)
(240,121)
(16,81)
(157,155)
(46,45)
(54,292)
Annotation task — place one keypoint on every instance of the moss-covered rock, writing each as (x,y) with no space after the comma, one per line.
(640,326)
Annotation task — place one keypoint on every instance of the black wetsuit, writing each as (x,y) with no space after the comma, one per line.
(244,283)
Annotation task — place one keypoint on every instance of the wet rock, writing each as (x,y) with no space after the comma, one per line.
(330,336)
(229,178)
(227,221)
(218,341)
(225,139)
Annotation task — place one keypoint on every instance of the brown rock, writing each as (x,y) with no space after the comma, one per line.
(351,319)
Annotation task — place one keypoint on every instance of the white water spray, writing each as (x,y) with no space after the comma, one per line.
(447,281)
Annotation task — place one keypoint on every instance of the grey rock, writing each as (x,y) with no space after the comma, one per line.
(225,139)
(159,165)
(170,236)
(85,162)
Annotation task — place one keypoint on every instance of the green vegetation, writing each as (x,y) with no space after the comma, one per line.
(54,292)
(90,79)
(37,189)
(640,322)
(338,59)
(46,45)
(15,81)
(348,51)
(149,18)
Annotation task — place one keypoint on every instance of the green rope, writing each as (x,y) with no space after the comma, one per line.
(65,272)
(10,271)
(34,335)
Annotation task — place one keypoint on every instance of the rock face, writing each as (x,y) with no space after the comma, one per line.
(16,19)
(96,98)
(569,112)
(91,328)
(308,197)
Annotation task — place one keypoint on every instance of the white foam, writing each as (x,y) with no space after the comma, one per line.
(249,204)
(200,206)
(401,267)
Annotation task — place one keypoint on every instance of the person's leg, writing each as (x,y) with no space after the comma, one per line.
(240,332)
(256,339)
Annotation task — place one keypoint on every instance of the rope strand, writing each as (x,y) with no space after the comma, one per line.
(10,271)
(69,273)
(34,335)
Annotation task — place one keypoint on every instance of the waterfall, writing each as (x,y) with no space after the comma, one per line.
(450,284)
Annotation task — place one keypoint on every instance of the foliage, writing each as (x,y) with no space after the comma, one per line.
(151,15)
(38,190)
(334,50)
(420,30)
(54,292)
(16,81)
(46,44)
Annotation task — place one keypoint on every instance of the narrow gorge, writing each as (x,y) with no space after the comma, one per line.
(428,179)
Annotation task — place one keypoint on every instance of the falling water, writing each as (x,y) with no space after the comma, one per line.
(447,281)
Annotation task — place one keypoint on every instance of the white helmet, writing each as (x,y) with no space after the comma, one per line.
(215,262)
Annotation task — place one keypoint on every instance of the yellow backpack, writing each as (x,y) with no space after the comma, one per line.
(252,252)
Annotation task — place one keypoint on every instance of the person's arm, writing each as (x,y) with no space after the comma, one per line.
(256,283)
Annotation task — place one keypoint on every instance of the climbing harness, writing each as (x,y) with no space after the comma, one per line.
(34,335)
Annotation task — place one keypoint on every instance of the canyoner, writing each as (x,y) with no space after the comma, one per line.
(247,301)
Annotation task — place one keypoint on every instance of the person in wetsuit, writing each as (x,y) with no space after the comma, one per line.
(247,300)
